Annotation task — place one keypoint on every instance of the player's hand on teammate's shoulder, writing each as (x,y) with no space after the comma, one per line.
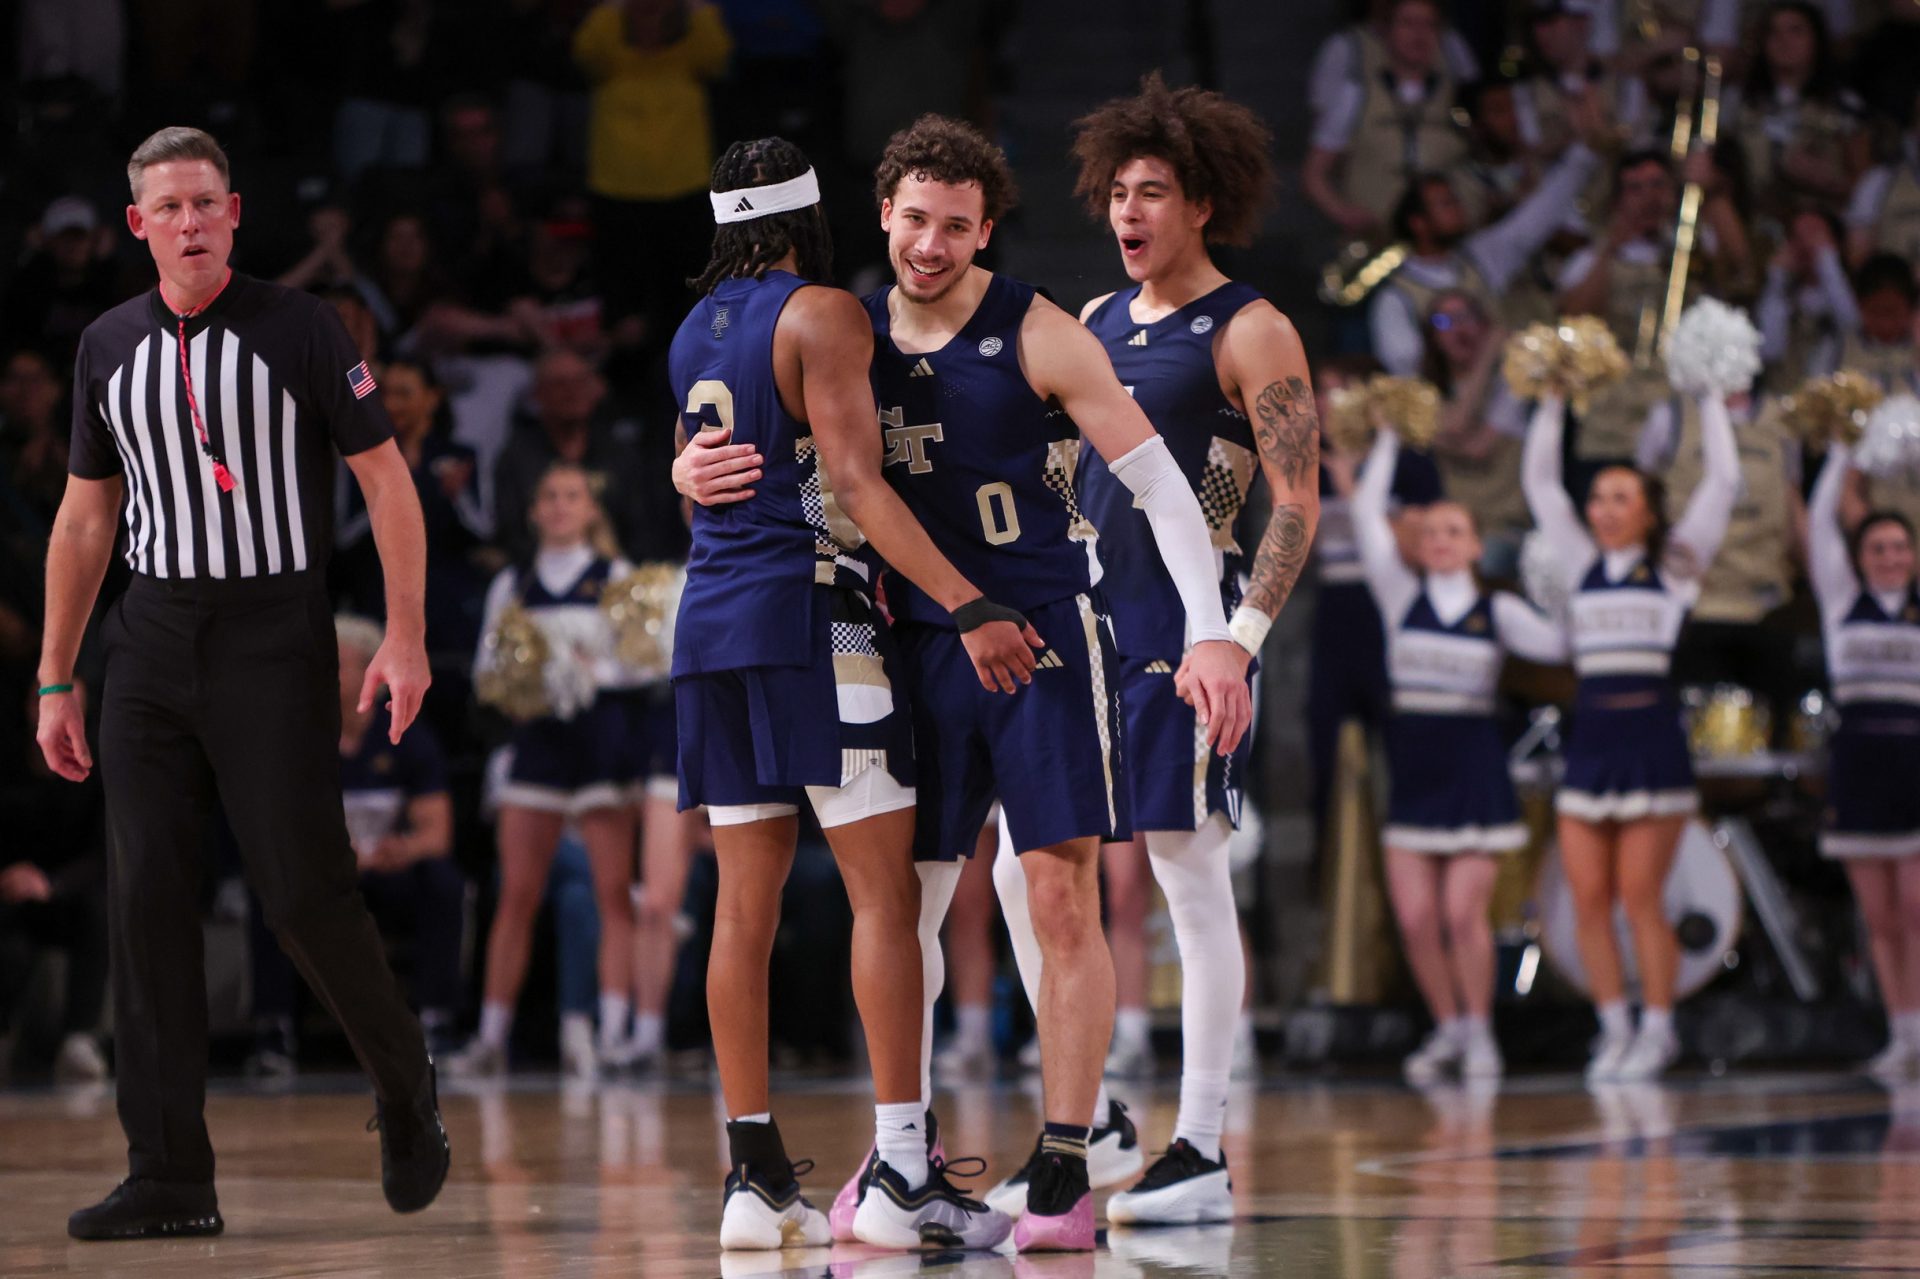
(714,472)
(1213,680)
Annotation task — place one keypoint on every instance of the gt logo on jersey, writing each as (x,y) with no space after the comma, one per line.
(909,443)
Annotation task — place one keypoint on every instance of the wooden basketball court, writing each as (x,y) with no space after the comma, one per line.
(1767,1174)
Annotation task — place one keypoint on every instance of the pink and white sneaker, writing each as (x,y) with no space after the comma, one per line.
(847,1202)
(1071,1231)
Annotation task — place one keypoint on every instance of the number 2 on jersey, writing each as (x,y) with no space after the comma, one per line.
(999,522)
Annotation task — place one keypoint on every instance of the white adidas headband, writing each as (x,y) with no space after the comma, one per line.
(747,203)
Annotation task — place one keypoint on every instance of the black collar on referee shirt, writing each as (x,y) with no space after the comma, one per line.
(169,319)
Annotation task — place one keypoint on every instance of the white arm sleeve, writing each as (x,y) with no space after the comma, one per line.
(1180,533)
(1393,584)
(1395,331)
(1828,565)
(1869,196)
(1703,525)
(1527,632)
(1503,250)
(1837,289)
(1332,67)
(1654,451)
(499,595)
(1547,495)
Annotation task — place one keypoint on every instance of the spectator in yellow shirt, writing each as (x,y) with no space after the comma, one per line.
(650,148)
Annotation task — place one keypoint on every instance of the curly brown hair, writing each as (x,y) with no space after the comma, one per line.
(1219,151)
(938,148)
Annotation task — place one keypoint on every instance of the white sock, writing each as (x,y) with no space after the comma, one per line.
(1130,1027)
(613,1018)
(764,1117)
(1474,1028)
(1192,871)
(496,1023)
(900,1135)
(973,1026)
(1906,1027)
(575,1026)
(1100,1107)
(1615,1020)
(1203,1110)
(1656,1021)
(938,880)
(649,1032)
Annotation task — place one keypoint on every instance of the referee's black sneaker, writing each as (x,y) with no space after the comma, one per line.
(142,1209)
(414,1154)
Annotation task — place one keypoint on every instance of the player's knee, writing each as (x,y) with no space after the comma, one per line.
(1466,918)
(1061,907)
(1420,922)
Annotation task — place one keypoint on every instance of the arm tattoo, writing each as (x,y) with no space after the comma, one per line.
(1287,430)
(1280,558)
(1287,433)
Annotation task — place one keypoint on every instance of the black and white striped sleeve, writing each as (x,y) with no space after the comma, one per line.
(92,453)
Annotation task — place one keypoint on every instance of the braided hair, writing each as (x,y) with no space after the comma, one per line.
(749,249)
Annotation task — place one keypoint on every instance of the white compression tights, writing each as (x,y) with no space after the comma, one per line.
(1192,870)
(938,880)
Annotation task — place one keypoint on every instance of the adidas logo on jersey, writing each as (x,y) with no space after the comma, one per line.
(1159,668)
(922,369)
(745,205)
(1138,339)
(1049,661)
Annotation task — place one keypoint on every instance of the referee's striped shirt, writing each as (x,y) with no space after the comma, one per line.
(279,387)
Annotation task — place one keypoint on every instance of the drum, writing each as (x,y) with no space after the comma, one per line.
(1703,903)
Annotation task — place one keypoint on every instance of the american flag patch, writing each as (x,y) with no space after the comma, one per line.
(360,378)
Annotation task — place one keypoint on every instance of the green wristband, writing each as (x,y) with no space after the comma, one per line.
(48,690)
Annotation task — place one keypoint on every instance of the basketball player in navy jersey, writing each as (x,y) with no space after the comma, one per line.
(787,688)
(1221,375)
(985,391)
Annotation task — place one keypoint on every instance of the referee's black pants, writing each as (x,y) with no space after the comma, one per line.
(228,693)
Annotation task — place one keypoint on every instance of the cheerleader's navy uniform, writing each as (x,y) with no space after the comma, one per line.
(1446,640)
(1627,756)
(578,762)
(1873,663)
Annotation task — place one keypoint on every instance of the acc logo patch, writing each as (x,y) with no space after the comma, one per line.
(991,347)
(1202,324)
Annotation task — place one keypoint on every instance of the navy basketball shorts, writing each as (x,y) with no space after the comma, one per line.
(835,732)
(571,766)
(1050,753)
(1873,787)
(1173,781)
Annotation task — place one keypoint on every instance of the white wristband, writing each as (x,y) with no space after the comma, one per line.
(1250,627)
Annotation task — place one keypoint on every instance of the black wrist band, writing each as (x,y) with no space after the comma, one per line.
(978,612)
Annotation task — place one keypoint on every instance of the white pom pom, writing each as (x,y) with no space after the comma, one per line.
(1889,448)
(578,638)
(1542,575)
(1714,351)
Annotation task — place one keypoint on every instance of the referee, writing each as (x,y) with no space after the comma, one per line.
(206,416)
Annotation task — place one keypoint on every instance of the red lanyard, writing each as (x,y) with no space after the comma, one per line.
(221,475)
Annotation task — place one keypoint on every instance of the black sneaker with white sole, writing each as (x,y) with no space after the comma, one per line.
(1183,1187)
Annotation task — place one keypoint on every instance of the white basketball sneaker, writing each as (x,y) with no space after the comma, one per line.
(760,1216)
(936,1215)
(478,1060)
(1480,1058)
(1609,1050)
(1437,1055)
(1898,1062)
(1182,1188)
(1649,1056)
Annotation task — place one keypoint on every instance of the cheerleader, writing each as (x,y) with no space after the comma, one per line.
(1872,634)
(1453,807)
(1628,789)
(565,768)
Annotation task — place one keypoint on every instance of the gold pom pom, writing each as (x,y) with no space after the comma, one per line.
(1410,405)
(1833,407)
(640,607)
(1349,418)
(1574,358)
(512,676)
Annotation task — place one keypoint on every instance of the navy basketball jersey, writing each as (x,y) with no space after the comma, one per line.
(982,462)
(1167,366)
(750,598)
